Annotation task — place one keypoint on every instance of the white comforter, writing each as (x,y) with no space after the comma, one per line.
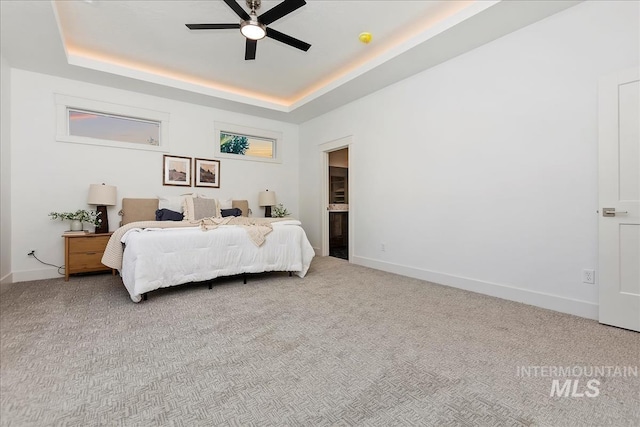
(159,258)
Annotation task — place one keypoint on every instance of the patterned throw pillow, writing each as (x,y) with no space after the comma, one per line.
(204,208)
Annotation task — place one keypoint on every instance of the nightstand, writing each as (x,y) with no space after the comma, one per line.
(83,253)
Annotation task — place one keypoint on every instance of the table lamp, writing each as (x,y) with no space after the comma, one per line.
(102,196)
(267,199)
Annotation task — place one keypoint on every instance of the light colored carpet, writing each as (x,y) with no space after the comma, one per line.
(346,345)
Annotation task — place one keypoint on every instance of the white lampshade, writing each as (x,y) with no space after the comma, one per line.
(101,194)
(267,198)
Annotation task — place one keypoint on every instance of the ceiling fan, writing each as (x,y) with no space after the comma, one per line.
(255,27)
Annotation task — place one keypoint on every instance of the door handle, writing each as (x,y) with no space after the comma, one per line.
(612,212)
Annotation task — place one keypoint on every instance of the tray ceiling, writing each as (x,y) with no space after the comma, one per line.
(147,41)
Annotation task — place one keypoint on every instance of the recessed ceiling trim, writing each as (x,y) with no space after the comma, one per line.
(158,76)
(56,15)
(422,46)
(438,24)
(97,61)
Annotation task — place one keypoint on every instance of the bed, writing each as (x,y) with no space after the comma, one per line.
(152,254)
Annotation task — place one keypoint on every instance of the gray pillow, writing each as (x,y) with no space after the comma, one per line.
(204,208)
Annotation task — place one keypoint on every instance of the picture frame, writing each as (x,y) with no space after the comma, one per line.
(176,171)
(207,173)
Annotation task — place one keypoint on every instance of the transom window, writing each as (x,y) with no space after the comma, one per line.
(93,124)
(87,121)
(245,143)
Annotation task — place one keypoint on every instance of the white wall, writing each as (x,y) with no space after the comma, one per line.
(481,173)
(47,175)
(5,171)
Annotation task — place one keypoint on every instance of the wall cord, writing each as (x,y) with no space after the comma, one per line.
(46,263)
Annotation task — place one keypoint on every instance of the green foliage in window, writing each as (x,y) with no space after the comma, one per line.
(234,144)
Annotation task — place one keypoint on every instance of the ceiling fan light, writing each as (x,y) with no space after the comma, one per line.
(253,30)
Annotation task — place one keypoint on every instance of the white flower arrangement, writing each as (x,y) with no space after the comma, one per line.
(279,211)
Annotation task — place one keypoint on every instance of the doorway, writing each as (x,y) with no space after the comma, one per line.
(338,206)
(344,159)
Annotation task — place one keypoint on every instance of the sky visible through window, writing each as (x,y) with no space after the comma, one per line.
(113,128)
(260,148)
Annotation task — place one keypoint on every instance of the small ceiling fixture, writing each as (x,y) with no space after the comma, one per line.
(365,37)
(254,27)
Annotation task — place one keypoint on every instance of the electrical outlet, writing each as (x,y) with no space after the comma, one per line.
(383,247)
(588,276)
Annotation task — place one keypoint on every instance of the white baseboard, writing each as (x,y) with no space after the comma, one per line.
(28,275)
(7,278)
(576,307)
(318,251)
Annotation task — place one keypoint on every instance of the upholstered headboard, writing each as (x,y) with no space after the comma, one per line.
(145,209)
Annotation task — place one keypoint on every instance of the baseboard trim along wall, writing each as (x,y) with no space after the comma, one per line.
(8,278)
(580,308)
(28,275)
(552,302)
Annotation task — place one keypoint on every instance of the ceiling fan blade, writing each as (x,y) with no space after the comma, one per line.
(282,9)
(281,37)
(233,4)
(250,49)
(211,26)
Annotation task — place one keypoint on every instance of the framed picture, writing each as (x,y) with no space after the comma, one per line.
(177,171)
(207,173)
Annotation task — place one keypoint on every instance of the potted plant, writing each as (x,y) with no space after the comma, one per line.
(279,211)
(78,217)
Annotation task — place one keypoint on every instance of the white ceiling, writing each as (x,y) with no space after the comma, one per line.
(144,45)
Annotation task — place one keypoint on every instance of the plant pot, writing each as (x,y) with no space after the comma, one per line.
(76,225)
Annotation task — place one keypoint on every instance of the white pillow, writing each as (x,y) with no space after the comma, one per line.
(173,203)
(225,204)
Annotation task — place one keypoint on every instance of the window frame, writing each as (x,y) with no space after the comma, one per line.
(66,103)
(221,127)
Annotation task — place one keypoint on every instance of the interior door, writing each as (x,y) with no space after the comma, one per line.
(339,203)
(619,200)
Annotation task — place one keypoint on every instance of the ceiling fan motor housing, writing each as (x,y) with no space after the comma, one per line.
(253,4)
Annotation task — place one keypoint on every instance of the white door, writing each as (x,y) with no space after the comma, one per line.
(619,200)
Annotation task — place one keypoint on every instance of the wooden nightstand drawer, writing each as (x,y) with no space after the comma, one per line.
(84,262)
(88,244)
(83,253)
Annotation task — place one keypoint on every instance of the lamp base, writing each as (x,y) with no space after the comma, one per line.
(104,225)
(267,211)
